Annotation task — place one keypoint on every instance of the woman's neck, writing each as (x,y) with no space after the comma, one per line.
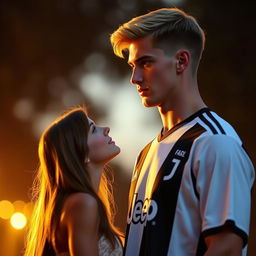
(95,172)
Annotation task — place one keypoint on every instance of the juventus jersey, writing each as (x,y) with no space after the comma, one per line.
(186,185)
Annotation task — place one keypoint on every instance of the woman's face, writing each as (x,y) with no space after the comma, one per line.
(101,146)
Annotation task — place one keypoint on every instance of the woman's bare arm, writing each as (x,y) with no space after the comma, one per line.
(82,224)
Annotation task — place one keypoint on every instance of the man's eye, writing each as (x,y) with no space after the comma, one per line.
(93,128)
(146,64)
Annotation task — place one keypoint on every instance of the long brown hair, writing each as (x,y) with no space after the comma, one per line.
(62,151)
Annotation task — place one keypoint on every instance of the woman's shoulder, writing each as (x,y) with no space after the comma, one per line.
(81,206)
(81,200)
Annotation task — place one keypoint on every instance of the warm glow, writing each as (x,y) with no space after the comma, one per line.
(28,209)
(6,209)
(19,205)
(18,220)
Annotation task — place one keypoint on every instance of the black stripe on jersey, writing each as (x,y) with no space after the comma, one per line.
(201,248)
(214,131)
(194,183)
(157,231)
(210,115)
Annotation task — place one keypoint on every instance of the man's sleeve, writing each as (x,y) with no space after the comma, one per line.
(224,178)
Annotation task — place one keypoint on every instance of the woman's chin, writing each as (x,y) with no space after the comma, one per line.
(116,153)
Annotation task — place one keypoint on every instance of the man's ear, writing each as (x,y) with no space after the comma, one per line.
(125,53)
(183,58)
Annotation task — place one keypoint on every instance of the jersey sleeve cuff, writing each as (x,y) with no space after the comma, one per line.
(228,224)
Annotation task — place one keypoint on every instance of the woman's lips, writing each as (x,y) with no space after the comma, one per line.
(111,141)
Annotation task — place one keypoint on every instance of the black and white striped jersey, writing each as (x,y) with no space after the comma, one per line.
(190,183)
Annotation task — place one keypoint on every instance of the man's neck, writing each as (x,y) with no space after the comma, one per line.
(186,102)
(172,117)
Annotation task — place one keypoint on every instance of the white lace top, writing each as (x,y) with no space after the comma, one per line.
(105,248)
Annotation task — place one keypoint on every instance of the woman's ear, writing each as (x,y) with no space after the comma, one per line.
(87,161)
(183,58)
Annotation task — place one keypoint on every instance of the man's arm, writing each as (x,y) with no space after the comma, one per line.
(224,243)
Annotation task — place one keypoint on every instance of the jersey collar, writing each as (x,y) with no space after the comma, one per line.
(161,137)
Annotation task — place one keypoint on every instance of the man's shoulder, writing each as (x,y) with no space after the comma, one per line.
(218,141)
(221,125)
(219,148)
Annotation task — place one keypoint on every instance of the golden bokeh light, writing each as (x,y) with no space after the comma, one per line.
(18,220)
(28,209)
(19,205)
(6,209)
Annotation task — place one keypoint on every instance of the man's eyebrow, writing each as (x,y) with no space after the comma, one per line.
(140,59)
(91,124)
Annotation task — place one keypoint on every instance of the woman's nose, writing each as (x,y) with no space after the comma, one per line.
(106,130)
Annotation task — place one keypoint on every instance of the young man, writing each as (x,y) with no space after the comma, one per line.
(191,186)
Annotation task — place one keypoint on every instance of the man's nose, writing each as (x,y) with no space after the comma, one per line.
(136,77)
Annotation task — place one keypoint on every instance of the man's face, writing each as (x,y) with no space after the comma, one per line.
(153,73)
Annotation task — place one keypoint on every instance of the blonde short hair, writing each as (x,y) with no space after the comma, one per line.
(167,25)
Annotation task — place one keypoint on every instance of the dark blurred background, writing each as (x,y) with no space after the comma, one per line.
(54,54)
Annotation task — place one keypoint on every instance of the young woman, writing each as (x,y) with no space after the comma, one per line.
(73,212)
